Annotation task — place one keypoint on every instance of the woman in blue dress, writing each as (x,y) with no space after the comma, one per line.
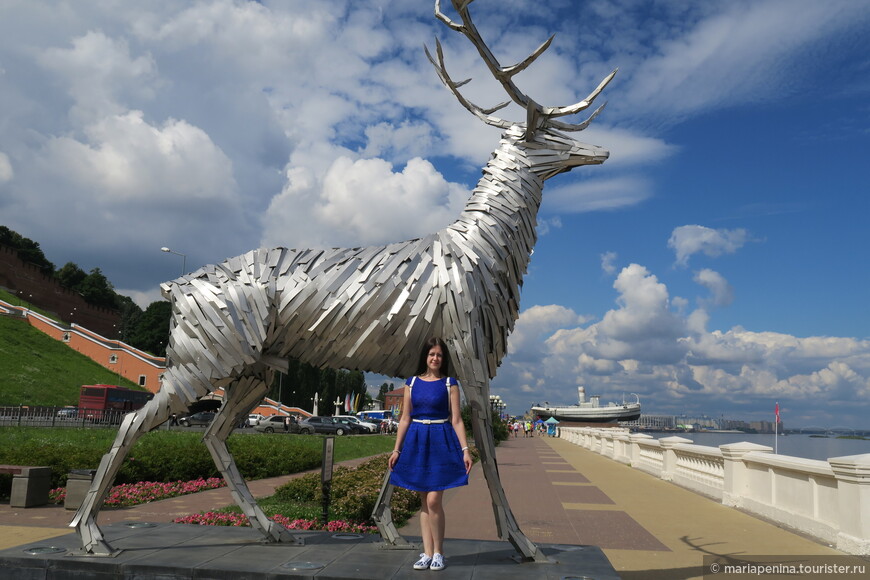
(431,452)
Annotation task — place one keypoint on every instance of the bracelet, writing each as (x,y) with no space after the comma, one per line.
(464,449)
(397,451)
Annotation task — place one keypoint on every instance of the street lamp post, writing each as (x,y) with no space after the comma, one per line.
(183,258)
(496,404)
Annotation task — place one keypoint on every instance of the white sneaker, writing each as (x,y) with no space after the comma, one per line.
(437,562)
(423,562)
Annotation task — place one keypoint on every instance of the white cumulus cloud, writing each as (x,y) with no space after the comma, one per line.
(362,200)
(693,239)
(721,292)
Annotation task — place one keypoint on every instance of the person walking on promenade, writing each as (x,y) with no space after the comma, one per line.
(431,452)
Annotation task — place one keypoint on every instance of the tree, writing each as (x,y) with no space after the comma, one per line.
(27,250)
(97,290)
(70,276)
(152,331)
(382,392)
(130,316)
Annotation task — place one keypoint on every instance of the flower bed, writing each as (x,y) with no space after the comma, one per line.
(130,494)
(241,520)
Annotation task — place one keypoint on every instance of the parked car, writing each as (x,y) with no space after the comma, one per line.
(326,425)
(353,428)
(275,424)
(201,418)
(68,413)
(253,418)
(365,425)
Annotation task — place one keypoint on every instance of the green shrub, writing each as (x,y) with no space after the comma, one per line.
(354,493)
(499,427)
(159,456)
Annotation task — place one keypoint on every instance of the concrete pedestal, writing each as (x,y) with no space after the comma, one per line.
(183,551)
(78,483)
(30,487)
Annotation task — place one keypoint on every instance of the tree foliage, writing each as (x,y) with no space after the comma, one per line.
(97,290)
(151,333)
(28,250)
(298,386)
(382,392)
(70,275)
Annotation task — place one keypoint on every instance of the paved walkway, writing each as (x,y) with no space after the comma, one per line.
(559,492)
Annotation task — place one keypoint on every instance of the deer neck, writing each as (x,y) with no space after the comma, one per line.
(500,217)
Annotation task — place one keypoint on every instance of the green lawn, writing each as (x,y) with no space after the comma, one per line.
(16,301)
(36,369)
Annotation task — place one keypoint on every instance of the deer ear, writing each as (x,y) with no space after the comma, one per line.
(533,116)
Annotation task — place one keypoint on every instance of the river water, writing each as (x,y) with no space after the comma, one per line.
(795,445)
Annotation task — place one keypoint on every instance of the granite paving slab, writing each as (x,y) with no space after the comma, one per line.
(181,551)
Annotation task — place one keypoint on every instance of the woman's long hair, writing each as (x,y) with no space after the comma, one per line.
(446,365)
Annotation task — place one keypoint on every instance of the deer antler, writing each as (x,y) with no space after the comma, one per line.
(537,115)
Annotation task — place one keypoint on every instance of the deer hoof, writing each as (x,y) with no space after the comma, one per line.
(279,534)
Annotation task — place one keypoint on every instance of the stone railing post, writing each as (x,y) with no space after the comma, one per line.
(601,439)
(622,448)
(853,495)
(634,458)
(607,443)
(669,466)
(734,488)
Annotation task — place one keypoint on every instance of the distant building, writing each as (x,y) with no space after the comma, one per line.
(652,422)
(765,426)
(393,399)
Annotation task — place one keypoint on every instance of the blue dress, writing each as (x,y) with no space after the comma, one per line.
(431,457)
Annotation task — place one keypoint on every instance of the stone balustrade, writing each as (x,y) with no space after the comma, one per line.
(828,500)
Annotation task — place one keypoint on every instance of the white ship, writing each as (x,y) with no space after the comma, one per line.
(591,411)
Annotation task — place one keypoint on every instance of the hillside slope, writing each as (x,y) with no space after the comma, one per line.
(35,369)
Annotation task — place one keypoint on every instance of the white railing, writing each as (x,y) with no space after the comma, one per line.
(700,468)
(650,457)
(829,500)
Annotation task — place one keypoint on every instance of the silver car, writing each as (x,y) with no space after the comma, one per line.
(366,427)
(276,424)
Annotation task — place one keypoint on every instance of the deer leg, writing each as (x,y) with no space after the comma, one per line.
(383,516)
(481,424)
(153,414)
(239,398)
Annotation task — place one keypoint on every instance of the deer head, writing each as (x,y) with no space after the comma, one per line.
(541,129)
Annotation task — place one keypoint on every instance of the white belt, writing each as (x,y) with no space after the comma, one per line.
(429,421)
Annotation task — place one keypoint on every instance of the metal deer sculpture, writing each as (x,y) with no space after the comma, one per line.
(235,323)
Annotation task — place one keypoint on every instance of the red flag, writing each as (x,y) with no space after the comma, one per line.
(347,403)
(777,413)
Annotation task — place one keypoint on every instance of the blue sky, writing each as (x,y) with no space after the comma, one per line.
(716,263)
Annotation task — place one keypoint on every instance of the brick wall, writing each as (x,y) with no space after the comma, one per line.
(131,363)
(395,397)
(28,283)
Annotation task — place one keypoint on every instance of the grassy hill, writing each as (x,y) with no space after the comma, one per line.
(35,369)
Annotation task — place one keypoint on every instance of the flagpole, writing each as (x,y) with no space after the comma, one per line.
(776,430)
